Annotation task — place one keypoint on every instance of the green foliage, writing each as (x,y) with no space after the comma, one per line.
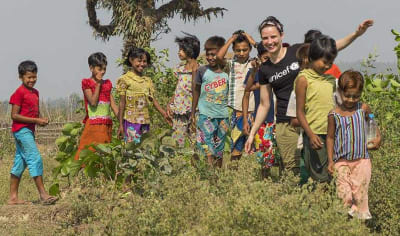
(113,161)
(382,93)
(194,199)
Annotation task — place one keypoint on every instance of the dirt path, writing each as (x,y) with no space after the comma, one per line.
(34,219)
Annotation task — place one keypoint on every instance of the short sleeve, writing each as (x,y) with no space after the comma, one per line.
(199,74)
(262,77)
(85,84)
(17,98)
(122,86)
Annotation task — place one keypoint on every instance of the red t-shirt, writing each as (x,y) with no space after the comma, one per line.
(28,101)
(334,71)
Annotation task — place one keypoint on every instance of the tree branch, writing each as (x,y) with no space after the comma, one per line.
(104,31)
(189,10)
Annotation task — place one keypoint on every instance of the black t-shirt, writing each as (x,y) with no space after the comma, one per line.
(281,76)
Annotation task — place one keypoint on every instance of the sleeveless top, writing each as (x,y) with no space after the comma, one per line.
(319,99)
(350,135)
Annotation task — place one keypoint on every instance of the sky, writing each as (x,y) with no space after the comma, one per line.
(56,35)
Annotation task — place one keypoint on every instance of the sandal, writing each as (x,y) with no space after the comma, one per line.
(49,201)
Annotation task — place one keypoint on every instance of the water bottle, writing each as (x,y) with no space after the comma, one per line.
(371,130)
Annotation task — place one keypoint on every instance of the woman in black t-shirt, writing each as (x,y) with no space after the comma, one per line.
(278,74)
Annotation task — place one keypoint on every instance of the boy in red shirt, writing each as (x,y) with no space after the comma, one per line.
(25,115)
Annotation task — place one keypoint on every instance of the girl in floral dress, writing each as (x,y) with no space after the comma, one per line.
(180,105)
(136,92)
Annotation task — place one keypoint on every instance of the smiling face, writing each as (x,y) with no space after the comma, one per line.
(321,65)
(271,39)
(211,57)
(350,97)
(242,51)
(98,72)
(264,57)
(139,64)
(29,79)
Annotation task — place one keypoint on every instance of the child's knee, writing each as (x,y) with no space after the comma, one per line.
(35,165)
(18,169)
(36,168)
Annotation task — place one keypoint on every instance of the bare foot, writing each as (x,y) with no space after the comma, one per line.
(18,202)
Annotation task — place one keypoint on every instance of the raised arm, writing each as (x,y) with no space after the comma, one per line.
(224,49)
(346,41)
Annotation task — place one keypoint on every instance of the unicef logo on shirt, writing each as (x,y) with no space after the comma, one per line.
(294,66)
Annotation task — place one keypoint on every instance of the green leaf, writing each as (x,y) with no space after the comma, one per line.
(149,157)
(69,148)
(396,33)
(61,156)
(67,128)
(75,167)
(65,170)
(394,83)
(84,154)
(61,140)
(133,163)
(75,132)
(56,171)
(169,141)
(91,171)
(103,149)
(54,189)
(167,151)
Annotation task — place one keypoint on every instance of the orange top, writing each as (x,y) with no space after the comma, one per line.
(334,71)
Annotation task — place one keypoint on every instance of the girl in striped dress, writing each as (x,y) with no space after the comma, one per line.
(347,145)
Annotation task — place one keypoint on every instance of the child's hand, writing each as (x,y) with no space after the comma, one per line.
(246,127)
(249,143)
(167,118)
(169,111)
(234,36)
(192,126)
(251,40)
(120,132)
(42,121)
(255,63)
(330,167)
(363,27)
(374,144)
(316,142)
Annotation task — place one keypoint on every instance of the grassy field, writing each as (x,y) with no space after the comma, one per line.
(197,200)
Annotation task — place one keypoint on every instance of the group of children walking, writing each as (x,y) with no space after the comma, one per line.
(229,97)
